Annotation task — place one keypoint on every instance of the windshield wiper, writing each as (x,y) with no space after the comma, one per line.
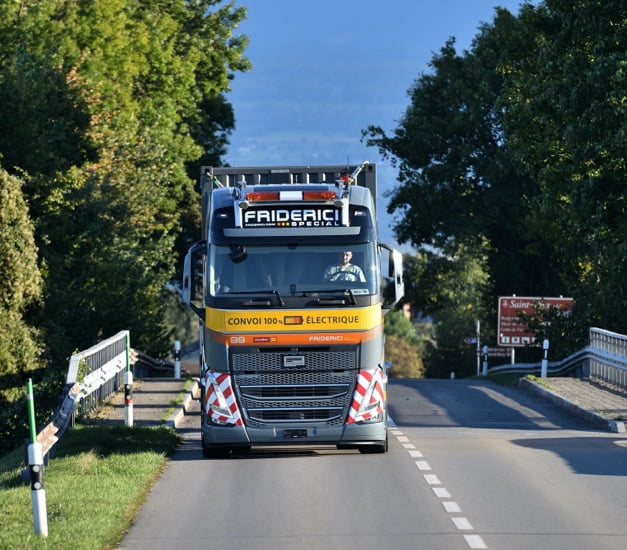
(258,301)
(331,300)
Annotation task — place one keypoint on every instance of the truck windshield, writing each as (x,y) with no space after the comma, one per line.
(292,269)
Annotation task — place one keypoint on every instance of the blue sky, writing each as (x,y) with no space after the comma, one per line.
(324,70)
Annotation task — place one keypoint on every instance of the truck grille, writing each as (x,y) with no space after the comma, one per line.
(318,391)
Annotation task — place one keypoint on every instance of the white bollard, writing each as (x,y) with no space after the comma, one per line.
(38,493)
(544,370)
(128,398)
(177,359)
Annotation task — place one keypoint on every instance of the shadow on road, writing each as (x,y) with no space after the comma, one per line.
(582,453)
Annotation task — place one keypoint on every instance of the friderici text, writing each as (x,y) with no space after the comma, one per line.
(296,217)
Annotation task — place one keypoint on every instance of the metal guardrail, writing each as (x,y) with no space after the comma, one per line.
(605,358)
(608,356)
(93,375)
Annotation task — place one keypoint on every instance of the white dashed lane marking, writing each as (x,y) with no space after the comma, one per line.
(462,523)
(475,542)
(451,507)
(432,479)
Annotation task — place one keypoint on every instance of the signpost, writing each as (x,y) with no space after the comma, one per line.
(511,331)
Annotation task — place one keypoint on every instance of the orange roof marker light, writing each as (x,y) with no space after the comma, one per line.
(319,195)
(262,196)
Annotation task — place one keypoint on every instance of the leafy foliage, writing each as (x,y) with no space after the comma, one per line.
(20,290)
(104,107)
(106,104)
(567,126)
(513,154)
(20,280)
(404,346)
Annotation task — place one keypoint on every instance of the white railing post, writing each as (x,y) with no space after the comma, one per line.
(545,359)
(36,469)
(128,385)
(177,359)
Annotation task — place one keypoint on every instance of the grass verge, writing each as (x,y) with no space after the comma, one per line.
(178,400)
(94,487)
(541,381)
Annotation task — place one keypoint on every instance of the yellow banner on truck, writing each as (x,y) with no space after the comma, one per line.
(354,319)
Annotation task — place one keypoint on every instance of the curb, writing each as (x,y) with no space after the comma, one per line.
(190,394)
(592,417)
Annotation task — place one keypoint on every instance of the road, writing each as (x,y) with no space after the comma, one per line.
(471,465)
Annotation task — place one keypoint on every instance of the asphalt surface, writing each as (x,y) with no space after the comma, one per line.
(165,401)
(472,464)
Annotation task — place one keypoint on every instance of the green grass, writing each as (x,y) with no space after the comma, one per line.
(541,381)
(94,487)
(178,400)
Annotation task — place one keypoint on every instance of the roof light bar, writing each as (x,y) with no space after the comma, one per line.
(253,196)
(319,195)
(262,196)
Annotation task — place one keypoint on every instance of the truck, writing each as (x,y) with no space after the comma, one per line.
(291,337)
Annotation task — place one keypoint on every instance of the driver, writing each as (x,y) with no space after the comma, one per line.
(344,270)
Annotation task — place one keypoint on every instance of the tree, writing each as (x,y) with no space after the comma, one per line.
(20,280)
(514,152)
(138,90)
(20,292)
(404,346)
(458,181)
(566,120)
(404,358)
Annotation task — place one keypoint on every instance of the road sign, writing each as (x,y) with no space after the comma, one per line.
(470,340)
(511,332)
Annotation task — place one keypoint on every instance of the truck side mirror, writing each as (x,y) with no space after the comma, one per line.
(393,287)
(191,277)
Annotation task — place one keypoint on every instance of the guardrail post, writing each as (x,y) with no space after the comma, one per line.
(36,469)
(128,386)
(128,398)
(177,359)
(545,359)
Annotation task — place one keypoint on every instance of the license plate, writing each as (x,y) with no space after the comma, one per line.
(294,434)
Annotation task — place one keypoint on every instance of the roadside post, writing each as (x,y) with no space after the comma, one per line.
(36,469)
(128,387)
(478,336)
(545,359)
(177,359)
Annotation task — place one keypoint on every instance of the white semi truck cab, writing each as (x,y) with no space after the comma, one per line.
(291,346)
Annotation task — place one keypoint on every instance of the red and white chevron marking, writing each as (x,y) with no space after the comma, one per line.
(219,397)
(369,396)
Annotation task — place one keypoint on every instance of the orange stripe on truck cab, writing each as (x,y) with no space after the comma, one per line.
(295,339)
